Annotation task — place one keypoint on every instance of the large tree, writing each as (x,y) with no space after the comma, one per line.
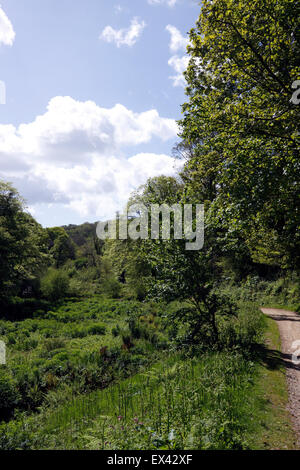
(168,271)
(23,243)
(61,245)
(240,128)
(127,257)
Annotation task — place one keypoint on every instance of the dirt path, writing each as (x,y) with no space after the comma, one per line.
(289,328)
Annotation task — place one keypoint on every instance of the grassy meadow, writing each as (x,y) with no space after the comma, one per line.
(100,373)
(143,329)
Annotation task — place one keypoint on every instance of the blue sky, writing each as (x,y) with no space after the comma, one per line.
(93,90)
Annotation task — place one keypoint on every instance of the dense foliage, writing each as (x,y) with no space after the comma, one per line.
(23,251)
(142,343)
(240,128)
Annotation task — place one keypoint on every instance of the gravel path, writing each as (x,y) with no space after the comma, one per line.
(289,328)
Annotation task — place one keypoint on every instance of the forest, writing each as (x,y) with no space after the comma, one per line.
(142,344)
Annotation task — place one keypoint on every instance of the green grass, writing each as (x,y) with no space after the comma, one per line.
(214,402)
(281,293)
(79,345)
(146,397)
(180,403)
(273,424)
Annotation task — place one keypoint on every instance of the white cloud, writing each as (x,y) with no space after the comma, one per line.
(179,64)
(31,210)
(178,41)
(73,156)
(125,36)
(112,180)
(170,3)
(71,131)
(7,34)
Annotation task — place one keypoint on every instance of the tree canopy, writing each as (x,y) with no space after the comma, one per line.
(23,242)
(240,128)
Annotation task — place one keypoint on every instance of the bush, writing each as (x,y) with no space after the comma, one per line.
(15,435)
(16,308)
(135,328)
(97,329)
(28,344)
(11,339)
(127,342)
(140,291)
(55,285)
(9,395)
(76,332)
(81,263)
(112,288)
(38,313)
(116,330)
(244,331)
(53,343)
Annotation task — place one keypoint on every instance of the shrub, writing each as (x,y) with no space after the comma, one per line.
(53,343)
(38,313)
(9,395)
(116,331)
(140,291)
(127,342)
(81,263)
(17,308)
(76,332)
(28,344)
(244,331)
(14,435)
(97,329)
(112,288)
(135,329)
(55,285)
(11,339)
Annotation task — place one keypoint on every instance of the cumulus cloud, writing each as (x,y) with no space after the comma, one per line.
(7,34)
(112,180)
(170,3)
(124,36)
(177,41)
(71,131)
(178,63)
(74,155)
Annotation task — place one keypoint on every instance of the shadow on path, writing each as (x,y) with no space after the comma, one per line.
(274,359)
(284,318)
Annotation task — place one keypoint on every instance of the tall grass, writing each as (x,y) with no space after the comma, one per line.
(199,402)
(179,403)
